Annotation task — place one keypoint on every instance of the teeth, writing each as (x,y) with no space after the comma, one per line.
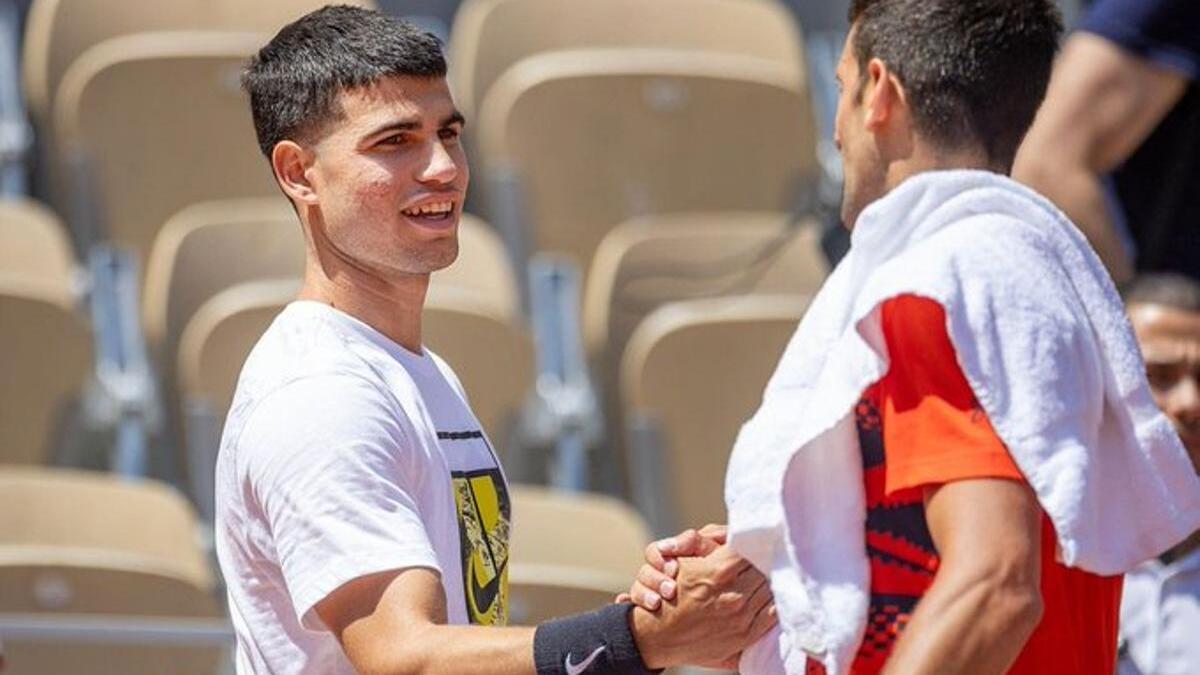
(436,208)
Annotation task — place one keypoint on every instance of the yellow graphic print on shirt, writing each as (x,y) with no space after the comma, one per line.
(483,523)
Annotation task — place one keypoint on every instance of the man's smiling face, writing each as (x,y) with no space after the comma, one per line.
(390,175)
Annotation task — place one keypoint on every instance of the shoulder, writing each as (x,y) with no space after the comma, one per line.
(316,422)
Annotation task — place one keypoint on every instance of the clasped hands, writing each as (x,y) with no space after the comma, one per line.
(702,601)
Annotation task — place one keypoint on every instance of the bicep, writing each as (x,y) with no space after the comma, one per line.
(378,618)
(1103,103)
(986,527)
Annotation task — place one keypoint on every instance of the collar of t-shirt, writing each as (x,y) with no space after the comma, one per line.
(420,365)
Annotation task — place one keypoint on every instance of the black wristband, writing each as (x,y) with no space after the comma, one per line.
(596,643)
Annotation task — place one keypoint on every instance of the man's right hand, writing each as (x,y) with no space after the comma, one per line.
(655,580)
(721,605)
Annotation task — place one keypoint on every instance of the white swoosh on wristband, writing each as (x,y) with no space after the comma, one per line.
(576,669)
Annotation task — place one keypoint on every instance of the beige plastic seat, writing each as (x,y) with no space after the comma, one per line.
(694,372)
(489,36)
(45,340)
(490,353)
(75,543)
(549,579)
(652,260)
(601,136)
(57,32)
(163,123)
(34,243)
(209,247)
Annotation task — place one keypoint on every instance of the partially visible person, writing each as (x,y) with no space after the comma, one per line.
(1122,119)
(958,457)
(1160,613)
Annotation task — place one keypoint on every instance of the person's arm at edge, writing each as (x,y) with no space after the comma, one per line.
(986,599)
(1102,104)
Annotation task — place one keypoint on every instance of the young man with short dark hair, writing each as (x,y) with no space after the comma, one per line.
(362,517)
(958,454)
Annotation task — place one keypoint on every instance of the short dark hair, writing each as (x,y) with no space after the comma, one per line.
(975,71)
(293,81)
(1175,291)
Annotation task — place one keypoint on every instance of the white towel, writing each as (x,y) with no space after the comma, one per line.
(1043,340)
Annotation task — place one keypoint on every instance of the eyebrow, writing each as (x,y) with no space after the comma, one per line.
(453,118)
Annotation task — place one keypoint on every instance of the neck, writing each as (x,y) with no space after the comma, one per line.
(391,304)
(923,158)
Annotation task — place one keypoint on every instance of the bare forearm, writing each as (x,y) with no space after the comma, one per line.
(966,627)
(1080,193)
(457,650)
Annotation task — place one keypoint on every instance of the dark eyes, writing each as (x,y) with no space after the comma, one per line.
(447,134)
(1162,376)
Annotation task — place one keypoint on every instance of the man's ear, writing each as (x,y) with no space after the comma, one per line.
(291,163)
(884,95)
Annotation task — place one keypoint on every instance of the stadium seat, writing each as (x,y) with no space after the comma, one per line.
(161,123)
(489,36)
(34,243)
(78,546)
(44,336)
(600,136)
(652,260)
(209,247)
(57,32)
(692,373)
(549,579)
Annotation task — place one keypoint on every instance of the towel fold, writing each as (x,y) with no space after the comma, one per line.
(1042,338)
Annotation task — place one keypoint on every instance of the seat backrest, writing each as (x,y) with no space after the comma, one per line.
(162,122)
(78,542)
(490,36)
(548,579)
(57,32)
(697,369)
(34,244)
(38,381)
(65,509)
(601,136)
(208,247)
(544,518)
(652,260)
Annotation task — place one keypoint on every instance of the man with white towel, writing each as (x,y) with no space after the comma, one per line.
(958,455)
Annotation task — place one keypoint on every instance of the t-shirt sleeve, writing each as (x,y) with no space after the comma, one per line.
(1166,32)
(333,475)
(934,429)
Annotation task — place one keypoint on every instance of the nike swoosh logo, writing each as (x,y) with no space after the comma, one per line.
(576,669)
(483,597)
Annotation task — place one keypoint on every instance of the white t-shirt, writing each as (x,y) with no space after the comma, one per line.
(343,455)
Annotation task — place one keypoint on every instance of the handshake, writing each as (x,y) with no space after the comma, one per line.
(697,602)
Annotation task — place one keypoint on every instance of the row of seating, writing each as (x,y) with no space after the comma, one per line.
(658,110)
(81,591)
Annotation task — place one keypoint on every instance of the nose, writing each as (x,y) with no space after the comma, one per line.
(442,166)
